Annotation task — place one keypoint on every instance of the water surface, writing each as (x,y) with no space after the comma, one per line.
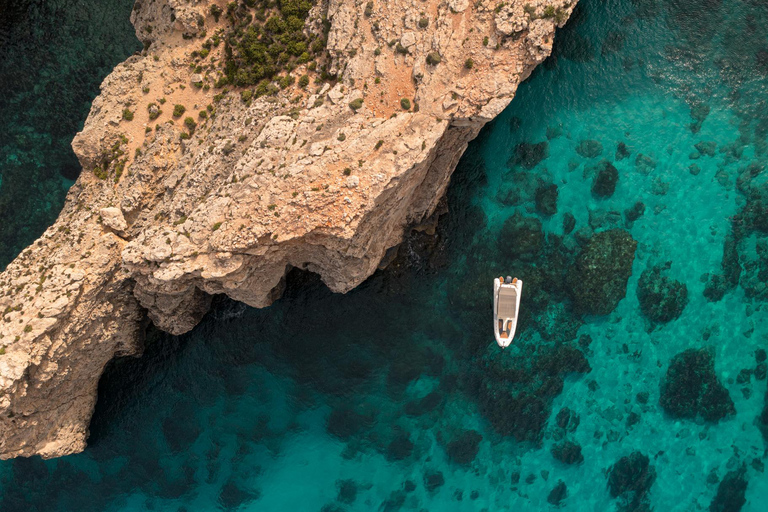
(648,124)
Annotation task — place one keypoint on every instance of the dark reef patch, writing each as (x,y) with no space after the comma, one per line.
(691,388)
(605,181)
(630,480)
(463,447)
(730,492)
(662,299)
(598,280)
(568,452)
(529,155)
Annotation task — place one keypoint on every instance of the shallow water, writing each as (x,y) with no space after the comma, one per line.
(400,400)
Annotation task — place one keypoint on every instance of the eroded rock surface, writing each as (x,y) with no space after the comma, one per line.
(324,177)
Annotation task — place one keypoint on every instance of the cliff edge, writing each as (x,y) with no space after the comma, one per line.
(243,141)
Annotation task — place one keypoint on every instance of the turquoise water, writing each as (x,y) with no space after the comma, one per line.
(637,396)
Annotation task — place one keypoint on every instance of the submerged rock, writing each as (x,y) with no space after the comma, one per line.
(557,494)
(433,480)
(568,452)
(464,447)
(400,448)
(691,388)
(347,491)
(569,222)
(622,152)
(730,492)
(634,212)
(631,479)
(528,155)
(598,279)
(546,199)
(589,148)
(661,298)
(606,179)
(527,234)
(762,420)
(644,164)
(232,496)
(567,419)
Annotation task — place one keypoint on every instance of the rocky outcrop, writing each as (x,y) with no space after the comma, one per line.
(324,176)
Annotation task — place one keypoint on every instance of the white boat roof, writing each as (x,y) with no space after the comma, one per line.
(507,302)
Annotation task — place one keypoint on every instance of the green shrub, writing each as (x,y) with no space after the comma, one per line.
(216,226)
(433,59)
(405,103)
(469,63)
(424,22)
(347,171)
(378,145)
(304,81)
(190,124)
(216,11)
(356,104)
(368,9)
(485,41)
(246,95)
(549,11)
(341,137)
(154,111)
(127,115)
(178,110)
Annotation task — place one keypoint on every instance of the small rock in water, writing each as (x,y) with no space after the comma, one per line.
(661,298)
(567,419)
(569,222)
(606,179)
(730,492)
(433,480)
(622,151)
(691,388)
(546,199)
(589,148)
(558,494)
(644,164)
(706,148)
(463,449)
(568,452)
(347,491)
(632,477)
(694,169)
(635,212)
(529,155)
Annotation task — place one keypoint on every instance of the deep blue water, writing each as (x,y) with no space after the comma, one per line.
(635,153)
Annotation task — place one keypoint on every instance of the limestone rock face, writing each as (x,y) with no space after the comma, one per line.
(298,179)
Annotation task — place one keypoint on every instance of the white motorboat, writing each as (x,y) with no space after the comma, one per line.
(506,305)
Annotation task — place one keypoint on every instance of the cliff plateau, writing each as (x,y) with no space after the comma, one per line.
(193,187)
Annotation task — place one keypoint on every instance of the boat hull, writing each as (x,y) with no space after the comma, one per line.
(505,333)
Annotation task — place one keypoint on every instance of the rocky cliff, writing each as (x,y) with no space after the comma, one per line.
(190,190)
